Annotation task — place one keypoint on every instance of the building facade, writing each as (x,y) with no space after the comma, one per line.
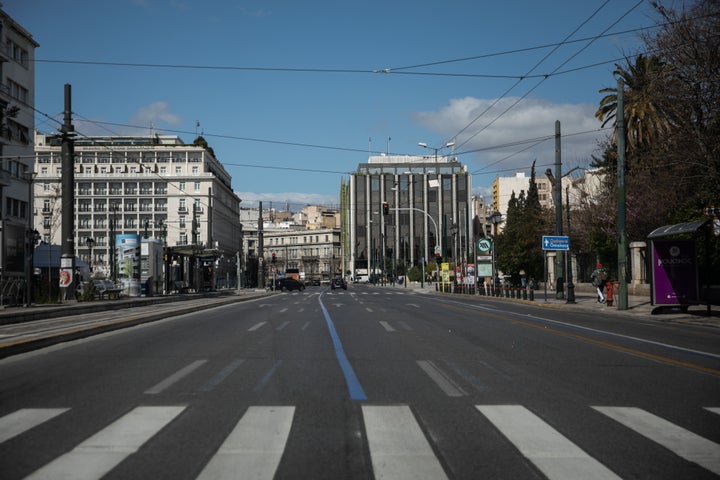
(155,186)
(407,209)
(310,243)
(17,101)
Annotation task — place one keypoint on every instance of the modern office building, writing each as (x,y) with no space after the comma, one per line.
(155,186)
(17,101)
(407,209)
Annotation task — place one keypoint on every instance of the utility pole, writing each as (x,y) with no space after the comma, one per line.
(67,259)
(261,248)
(560,256)
(622,234)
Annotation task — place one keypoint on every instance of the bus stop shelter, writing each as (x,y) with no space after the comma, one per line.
(674,271)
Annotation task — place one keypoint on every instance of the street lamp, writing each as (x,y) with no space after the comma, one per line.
(29,237)
(447,145)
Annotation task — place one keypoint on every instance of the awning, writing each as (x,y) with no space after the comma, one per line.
(49,255)
(679,228)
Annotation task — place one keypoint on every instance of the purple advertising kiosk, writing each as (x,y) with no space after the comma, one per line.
(674,268)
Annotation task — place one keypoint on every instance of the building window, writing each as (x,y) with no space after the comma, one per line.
(178,170)
(195,170)
(197,186)
(181,221)
(182,186)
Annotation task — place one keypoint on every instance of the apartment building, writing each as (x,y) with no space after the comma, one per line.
(17,100)
(308,240)
(155,186)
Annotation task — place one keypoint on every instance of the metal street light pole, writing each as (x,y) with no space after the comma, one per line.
(447,145)
(29,238)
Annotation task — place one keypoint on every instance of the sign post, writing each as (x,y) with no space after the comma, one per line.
(554,243)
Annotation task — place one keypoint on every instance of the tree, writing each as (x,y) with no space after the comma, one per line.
(645,119)
(672,101)
(518,245)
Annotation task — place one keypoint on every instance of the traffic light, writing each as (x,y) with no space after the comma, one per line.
(438,258)
(273,258)
(385,208)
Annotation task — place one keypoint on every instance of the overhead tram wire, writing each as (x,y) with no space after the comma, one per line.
(543,80)
(335,70)
(567,38)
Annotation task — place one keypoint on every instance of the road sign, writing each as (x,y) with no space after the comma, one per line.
(437,249)
(555,243)
(484,245)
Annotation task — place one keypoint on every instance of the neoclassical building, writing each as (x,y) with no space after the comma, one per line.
(155,186)
(402,209)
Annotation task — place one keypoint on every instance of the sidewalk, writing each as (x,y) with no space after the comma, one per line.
(637,306)
(27,328)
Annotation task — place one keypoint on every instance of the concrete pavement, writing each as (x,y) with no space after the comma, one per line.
(27,328)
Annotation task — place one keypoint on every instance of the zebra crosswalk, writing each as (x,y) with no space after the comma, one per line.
(396,438)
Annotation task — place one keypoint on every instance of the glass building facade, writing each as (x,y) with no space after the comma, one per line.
(428,211)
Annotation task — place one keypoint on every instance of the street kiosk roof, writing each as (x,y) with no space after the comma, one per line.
(678,229)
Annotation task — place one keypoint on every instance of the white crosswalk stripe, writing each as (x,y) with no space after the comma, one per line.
(556,456)
(18,422)
(100,453)
(254,447)
(680,441)
(399,448)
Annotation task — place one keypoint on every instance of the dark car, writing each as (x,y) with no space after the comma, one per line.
(288,284)
(338,282)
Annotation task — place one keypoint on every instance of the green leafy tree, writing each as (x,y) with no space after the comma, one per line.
(519,245)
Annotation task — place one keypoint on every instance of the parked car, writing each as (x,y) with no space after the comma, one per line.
(289,284)
(338,282)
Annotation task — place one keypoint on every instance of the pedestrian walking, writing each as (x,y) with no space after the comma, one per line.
(599,279)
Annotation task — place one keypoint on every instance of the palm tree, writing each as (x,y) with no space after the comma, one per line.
(645,118)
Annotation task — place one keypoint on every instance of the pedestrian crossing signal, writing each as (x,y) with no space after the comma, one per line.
(385,208)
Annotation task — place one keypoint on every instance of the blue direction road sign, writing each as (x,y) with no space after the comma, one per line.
(555,243)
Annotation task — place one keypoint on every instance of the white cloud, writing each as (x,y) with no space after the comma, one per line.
(155,114)
(508,123)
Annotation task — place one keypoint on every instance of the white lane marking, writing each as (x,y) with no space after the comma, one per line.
(175,377)
(443,381)
(307,324)
(254,447)
(404,325)
(284,310)
(256,326)
(413,305)
(222,375)
(369,309)
(713,409)
(555,455)
(682,442)
(99,454)
(20,421)
(386,326)
(282,325)
(398,448)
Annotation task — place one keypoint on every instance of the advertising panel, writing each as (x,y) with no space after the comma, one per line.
(128,262)
(674,272)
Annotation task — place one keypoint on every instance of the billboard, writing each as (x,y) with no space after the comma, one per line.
(127,247)
(674,272)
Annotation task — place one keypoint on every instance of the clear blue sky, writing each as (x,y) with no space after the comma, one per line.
(291,100)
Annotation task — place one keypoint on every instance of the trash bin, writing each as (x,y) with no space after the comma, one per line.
(560,288)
